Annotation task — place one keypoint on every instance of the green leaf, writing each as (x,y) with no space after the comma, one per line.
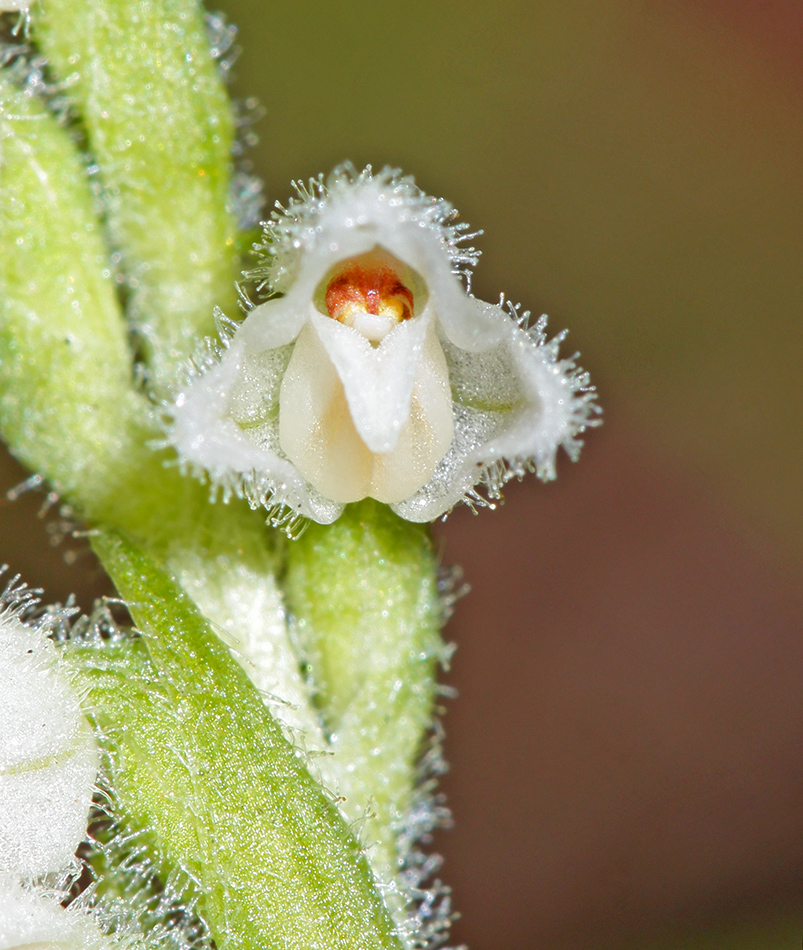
(198,761)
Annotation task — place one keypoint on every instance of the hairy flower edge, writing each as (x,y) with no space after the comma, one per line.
(348,383)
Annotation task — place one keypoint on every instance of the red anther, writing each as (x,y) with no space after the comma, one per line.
(368,288)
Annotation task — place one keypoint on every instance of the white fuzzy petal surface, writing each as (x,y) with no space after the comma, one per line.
(48,757)
(30,920)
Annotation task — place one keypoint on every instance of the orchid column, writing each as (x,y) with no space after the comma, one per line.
(262,722)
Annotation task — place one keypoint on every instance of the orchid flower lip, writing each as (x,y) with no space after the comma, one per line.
(370,370)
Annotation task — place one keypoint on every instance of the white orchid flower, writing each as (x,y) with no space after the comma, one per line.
(372,371)
(48,756)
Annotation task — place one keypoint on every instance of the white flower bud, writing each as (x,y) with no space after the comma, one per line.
(48,758)
(372,372)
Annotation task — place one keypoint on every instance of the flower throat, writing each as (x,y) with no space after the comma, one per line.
(368,285)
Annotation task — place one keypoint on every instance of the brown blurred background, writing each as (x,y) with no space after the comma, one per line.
(626,751)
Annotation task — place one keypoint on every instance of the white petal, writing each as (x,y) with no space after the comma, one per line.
(516,405)
(30,920)
(457,473)
(205,432)
(378,380)
(426,436)
(316,430)
(227,422)
(547,415)
(274,323)
(48,758)
(471,324)
(202,429)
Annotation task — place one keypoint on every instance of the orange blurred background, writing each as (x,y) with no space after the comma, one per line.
(626,747)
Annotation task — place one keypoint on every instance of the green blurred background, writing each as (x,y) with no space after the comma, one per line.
(626,748)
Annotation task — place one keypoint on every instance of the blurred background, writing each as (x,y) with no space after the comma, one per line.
(626,746)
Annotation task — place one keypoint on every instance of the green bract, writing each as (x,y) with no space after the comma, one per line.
(68,406)
(365,596)
(159,126)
